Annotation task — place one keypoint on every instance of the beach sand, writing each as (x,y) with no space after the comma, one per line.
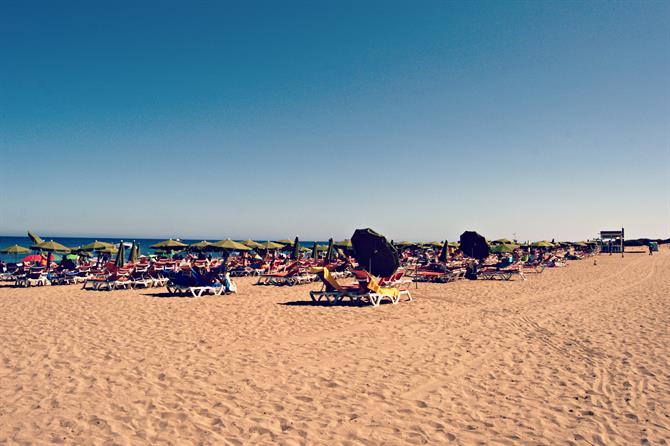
(576,355)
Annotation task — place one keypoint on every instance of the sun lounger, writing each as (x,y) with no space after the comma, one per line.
(492,273)
(34,277)
(449,275)
(195,284)
(333,291)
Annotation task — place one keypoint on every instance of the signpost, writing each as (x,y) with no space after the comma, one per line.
(613,237)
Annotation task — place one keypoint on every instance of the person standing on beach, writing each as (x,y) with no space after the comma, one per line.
(651,250)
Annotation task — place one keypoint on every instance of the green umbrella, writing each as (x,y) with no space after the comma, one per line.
(230,245)
(35,238)
(169,245)
(133,254)
(96,246)
(502,241)
(200,246)
(503,248)
(329,252)
(120,254)
(51,246)
(15,249)
(270,245)
(296,249)
(345,244)
(251,244)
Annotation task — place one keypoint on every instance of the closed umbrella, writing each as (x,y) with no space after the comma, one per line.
(315,251)
(444,253)
(120,254)
(35,238)
(474,245)
(329,252)
(296,249)
(132,255)
(374,253)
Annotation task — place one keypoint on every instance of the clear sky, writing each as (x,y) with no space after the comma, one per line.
(275,119)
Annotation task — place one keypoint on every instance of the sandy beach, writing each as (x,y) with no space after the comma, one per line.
(576,355)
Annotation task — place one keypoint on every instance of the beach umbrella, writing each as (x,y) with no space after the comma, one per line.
(344,244)
(35,238)
(315,251)
(405,244)
(329,251)
(200,246)
(34,258)
(269,245)
(296,249)
(374,253)
(502,241)
(96,246)
(284,242)
(120,254)
(169,245)
(230,245)
(542,244)
(51,246)
(251,244)
(15,249)
(503,248)
(434,244)
(474,245)
(444,253)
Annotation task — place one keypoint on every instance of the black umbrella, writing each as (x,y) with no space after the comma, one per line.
(296,249)
(474,245)
(315,252)
(445,252)
(329,253)
(374,253)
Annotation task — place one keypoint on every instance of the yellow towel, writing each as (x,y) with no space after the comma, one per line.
(374,286)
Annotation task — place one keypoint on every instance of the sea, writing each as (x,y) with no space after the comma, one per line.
(144,243)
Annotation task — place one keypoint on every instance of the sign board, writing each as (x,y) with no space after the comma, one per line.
(613,235)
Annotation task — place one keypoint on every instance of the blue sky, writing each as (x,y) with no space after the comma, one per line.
(276,119)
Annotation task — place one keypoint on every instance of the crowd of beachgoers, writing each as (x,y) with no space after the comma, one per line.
(381,268)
